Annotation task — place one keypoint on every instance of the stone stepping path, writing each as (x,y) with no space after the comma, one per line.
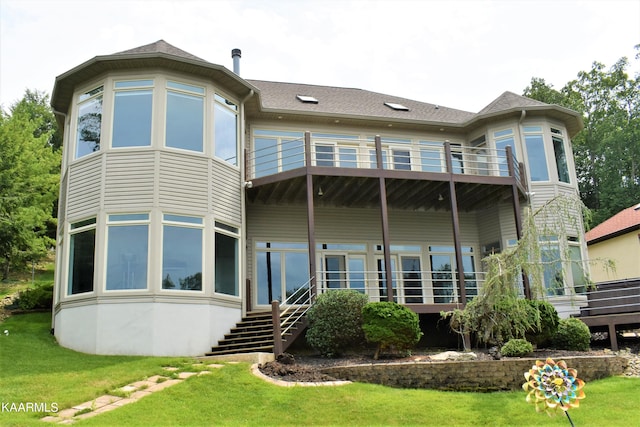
(132,392)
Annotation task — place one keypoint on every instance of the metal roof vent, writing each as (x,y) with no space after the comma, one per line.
(236,54)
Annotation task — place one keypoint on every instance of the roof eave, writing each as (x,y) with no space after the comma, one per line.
(65,83)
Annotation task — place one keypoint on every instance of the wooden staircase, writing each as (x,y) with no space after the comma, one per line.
(254,333)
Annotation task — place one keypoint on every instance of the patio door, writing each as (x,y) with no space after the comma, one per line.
(342,271)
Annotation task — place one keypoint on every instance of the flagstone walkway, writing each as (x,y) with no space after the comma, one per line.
(131,392)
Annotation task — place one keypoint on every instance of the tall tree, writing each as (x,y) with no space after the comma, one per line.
(607,150)
(29,179)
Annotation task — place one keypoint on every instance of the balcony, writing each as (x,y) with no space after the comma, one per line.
(344,171)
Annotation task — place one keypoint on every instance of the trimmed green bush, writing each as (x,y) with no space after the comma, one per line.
(40,297)
(573,335)
(516,348)
(549,321)
(390,326)
(335,322)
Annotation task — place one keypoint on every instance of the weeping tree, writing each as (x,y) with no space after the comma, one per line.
(499,312)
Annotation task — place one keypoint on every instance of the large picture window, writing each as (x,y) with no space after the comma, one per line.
(127,251)
(132,113)
(226,260)
(182,253)
(185,116)
(89,125)
(82,245)
(226,130)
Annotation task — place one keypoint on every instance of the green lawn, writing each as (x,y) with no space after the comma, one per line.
(35,369)
(42,274)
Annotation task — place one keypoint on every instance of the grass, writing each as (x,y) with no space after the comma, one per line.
(35,369)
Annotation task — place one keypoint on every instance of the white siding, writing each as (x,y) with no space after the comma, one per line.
(85,186)
(227,192)
(183,182)
(129,181)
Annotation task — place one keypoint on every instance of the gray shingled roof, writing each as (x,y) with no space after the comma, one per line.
(337,101)
(160,46)
(509,100)
(276,97)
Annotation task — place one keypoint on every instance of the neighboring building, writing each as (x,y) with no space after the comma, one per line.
(617,239)
(191,197)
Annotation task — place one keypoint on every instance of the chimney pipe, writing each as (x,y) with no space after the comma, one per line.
(236,54)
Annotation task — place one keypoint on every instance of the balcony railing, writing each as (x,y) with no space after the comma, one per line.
(275,154)
(409,287)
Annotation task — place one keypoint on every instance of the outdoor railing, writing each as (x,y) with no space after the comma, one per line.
(276,154)
(613,298)
(409,287)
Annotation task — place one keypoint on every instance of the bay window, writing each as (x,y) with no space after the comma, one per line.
(185,116)
(536,157)
(132,113)
(560,155)
(226,130)
(89,124)
(182,252)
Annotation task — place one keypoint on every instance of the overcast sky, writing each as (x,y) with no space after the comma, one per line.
(460,54)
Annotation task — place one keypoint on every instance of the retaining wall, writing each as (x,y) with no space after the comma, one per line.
(486,375)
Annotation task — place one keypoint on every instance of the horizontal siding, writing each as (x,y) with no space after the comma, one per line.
(85,185)
(129,181)
(489,227)
(227,192)
(183,182)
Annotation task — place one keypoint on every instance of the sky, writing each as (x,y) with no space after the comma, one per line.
(457,53)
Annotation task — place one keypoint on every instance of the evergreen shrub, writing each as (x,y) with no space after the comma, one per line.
(516,348)
(335,322)
(573,335)
(390,326)
(40,297)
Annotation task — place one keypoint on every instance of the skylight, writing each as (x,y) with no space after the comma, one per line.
(307,99)
(397,107)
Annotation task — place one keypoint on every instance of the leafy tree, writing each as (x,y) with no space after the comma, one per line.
(29,180)
(607,150)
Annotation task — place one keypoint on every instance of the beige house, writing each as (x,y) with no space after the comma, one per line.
(616,239)
(191,197)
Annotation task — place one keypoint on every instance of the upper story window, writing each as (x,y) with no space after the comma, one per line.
(560,155)
(89,122)
(225,118)
(536,157)
(503,139)
(185,116)
(132,109)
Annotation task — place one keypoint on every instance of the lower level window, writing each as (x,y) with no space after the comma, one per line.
(82,245)
(127,251)
(182,253)
(226,261)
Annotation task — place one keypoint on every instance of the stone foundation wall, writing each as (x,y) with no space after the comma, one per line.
(491,375)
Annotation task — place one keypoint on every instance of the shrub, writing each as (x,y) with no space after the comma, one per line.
(572,334)
(335,322)
(390,326)
(36,298)
(549,321)
(516,348)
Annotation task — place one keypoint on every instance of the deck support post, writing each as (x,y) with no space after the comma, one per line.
(311,222)
(384,216)
(455,220)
